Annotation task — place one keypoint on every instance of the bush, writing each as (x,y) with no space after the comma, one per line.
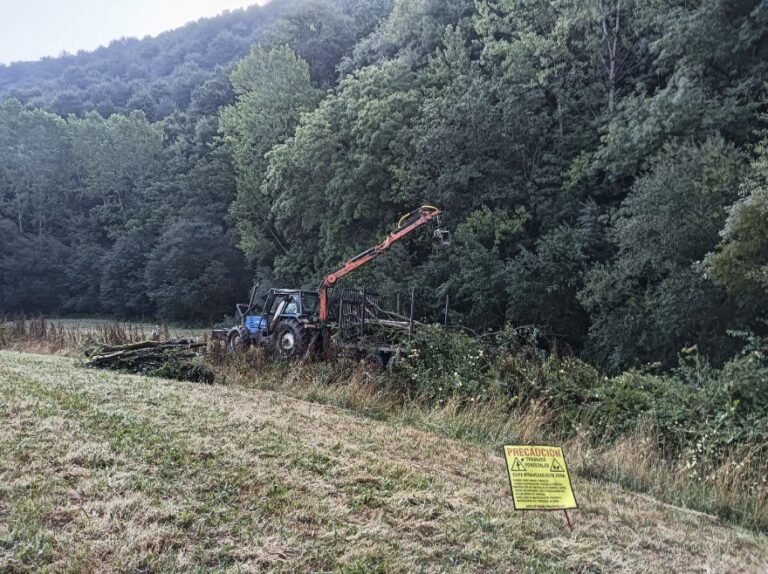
(440,364)
(699,413)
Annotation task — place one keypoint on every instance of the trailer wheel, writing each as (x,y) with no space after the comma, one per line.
(291,339)
(375,361)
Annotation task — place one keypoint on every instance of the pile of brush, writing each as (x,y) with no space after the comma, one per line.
(175,359)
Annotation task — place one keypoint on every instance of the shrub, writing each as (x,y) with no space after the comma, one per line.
(440,364)
(702,414)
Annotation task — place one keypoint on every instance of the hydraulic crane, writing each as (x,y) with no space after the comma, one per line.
(407,224)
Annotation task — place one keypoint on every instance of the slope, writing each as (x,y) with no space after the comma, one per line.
(108,472)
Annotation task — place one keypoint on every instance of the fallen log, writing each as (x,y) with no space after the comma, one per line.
(177,359)
(172,344)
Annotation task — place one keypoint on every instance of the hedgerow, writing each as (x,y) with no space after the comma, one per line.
(700,413)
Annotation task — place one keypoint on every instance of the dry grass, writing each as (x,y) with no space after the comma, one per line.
(102,472)
(70,336)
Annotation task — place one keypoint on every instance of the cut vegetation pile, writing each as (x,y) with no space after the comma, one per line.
(176,359)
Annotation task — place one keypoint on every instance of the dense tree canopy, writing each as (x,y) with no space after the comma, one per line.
(155,75)
(600,163)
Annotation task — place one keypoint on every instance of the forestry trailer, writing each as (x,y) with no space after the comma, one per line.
(298,324)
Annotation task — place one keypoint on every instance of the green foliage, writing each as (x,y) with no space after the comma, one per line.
(118,158)
(273,89)
(35,167)
(705,416)
(740,263)
(474,273)
(122,292)
(320,33)
(82,277)
(708,416)
(651,300)
(27,264)
(551,275)
(194,272)
(412,30)
(440,364)
(702,77)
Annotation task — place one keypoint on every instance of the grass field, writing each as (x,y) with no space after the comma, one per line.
(101,472)
(94,325)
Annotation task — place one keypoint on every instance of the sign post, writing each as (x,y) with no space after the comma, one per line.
(539,479)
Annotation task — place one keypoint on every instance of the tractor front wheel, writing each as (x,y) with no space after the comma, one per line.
(237,340)
(291,339)
(375,362)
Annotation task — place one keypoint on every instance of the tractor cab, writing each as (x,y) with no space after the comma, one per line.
(281,304)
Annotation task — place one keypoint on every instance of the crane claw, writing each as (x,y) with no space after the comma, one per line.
(442,237)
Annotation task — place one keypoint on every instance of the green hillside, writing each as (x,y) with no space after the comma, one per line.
(156,75)
(602,167)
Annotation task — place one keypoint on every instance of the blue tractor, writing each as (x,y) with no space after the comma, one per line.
(284,324)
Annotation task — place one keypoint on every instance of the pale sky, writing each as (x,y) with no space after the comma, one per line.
(31,29)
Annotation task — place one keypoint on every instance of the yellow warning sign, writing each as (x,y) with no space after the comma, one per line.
(539,478)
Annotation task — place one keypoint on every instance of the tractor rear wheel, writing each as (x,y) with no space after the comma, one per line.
(291,339)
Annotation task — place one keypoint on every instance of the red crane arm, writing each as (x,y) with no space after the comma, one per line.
(407,224)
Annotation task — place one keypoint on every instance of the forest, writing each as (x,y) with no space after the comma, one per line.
(602,165)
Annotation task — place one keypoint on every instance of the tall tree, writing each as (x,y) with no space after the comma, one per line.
(273,89)
(35,168)
(740,263)
(320,33)
(119,157)
(651,299)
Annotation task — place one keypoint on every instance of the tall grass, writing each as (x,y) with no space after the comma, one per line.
(38,334)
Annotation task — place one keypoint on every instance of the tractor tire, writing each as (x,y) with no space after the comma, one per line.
(237,341)
(291,339)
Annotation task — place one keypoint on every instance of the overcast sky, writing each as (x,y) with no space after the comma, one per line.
(31,29)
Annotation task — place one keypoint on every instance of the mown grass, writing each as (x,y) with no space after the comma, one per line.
(101,472)
(634,460)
